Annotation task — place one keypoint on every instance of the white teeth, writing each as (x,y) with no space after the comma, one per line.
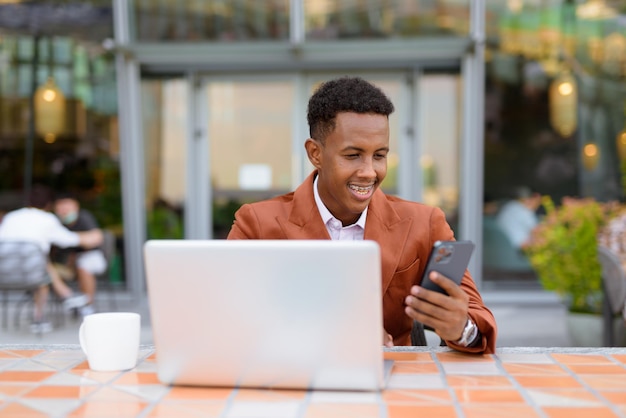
(361,190)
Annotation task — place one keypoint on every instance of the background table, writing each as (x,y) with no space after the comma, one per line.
(55,381)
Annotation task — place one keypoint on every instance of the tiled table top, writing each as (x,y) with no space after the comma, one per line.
(55,381)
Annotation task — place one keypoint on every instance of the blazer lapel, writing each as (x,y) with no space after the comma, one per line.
(304,221)
(390,231)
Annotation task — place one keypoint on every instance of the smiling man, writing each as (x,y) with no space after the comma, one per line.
(342,200)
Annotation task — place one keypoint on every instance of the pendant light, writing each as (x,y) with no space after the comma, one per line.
(591,156)
(563,96)
(49,104)
(49,110)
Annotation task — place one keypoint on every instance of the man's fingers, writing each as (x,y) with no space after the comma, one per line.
(445,283)
(444,313)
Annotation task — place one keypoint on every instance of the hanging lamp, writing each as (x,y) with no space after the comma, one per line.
(49,110)
(563,96)
(591,156)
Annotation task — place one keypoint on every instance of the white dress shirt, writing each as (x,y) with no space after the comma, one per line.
(333,225)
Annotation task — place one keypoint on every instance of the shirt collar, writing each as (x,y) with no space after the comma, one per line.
(325,213)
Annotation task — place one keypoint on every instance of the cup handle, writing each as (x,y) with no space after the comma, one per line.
(81,337)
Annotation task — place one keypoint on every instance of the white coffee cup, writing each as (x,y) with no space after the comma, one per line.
(110,340)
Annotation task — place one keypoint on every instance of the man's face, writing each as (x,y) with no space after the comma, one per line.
(66,210)
(352,163)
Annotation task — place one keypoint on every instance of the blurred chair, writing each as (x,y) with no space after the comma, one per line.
(22,269)
(614,289)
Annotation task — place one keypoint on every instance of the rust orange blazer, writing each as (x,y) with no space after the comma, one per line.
(405,232)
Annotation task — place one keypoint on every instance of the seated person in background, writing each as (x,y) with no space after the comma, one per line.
(518,217)
(86,262)
(341,199)
(490,205)
(36,224)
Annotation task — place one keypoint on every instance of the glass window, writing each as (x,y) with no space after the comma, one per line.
(164,105)
(393,88)
(82,157)
(250,143)
(362,19)
(263,140)
(211,20)
(25,48)
(440,116)
(62,50)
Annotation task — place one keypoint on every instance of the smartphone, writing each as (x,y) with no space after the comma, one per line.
(449,258)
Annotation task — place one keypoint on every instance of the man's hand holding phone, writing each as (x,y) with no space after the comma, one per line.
(446,314)
(439,302)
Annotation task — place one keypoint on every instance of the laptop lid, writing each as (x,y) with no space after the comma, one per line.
(267,313)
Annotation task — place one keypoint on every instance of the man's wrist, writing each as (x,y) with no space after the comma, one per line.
(470,334)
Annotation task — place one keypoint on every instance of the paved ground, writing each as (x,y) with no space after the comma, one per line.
(531,318)
(528,318)
(66,325)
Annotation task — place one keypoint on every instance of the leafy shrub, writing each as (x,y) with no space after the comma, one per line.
(563,251)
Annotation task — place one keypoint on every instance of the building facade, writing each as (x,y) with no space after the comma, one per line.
(187,109)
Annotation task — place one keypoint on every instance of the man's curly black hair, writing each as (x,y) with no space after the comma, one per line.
(345,94)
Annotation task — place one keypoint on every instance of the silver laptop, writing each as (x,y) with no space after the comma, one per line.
(267,313)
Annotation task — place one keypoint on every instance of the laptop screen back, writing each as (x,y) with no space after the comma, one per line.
(266,313)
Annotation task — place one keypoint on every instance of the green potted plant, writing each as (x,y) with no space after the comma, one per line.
(563,252)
